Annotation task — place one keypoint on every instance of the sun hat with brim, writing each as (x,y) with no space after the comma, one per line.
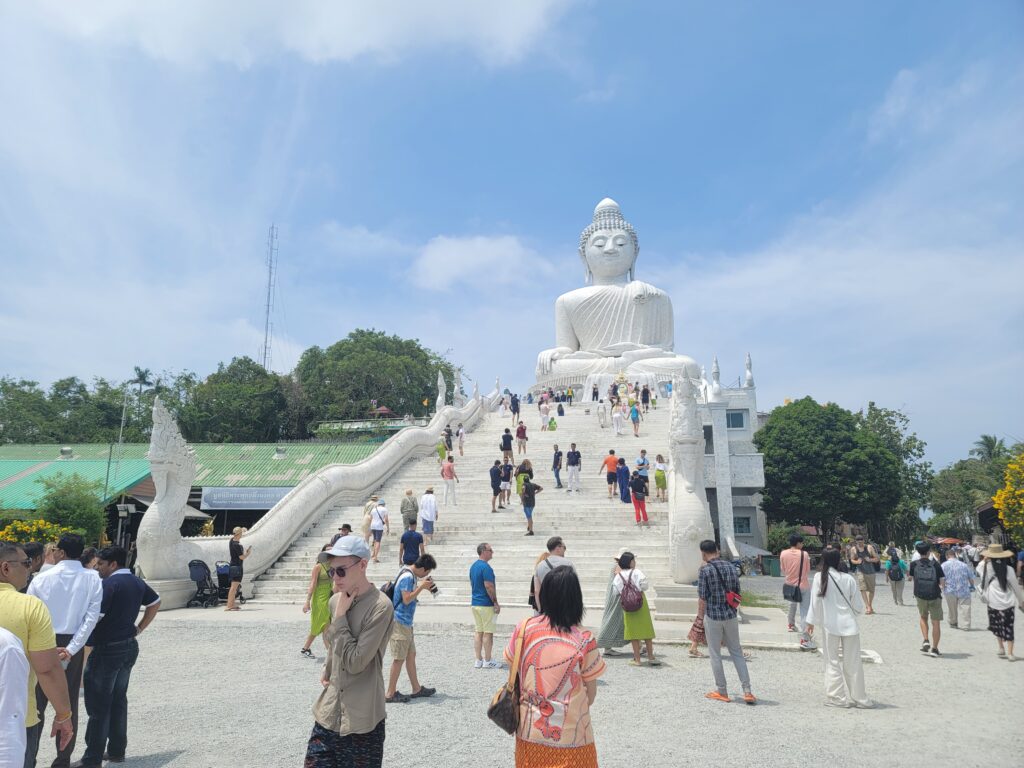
(346,546)
(996,551)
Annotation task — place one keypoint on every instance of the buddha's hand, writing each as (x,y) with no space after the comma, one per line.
(546,359)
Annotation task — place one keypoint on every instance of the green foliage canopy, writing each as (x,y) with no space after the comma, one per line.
(892,427)
(74,502)
(239,402)
(339,382)
(821,466)
(778,538)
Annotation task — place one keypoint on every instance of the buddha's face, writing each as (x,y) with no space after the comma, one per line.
(610,254)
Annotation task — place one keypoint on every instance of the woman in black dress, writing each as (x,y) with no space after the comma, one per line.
(238,554)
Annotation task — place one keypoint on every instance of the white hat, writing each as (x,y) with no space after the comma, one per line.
(346,546)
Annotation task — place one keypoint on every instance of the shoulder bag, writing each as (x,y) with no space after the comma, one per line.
(504,707)
(792,592)
(982,592)
(732,599)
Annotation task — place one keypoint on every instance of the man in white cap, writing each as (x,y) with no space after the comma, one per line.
(350,712)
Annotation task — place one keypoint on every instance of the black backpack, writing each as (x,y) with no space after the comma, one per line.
(389,586)
(926,579)
(895,571)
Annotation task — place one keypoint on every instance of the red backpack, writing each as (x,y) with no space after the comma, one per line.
(631,597)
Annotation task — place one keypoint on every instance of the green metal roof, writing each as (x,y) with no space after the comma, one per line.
(218,464)
(228,464)
(20,489)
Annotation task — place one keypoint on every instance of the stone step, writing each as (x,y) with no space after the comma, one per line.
(594,526)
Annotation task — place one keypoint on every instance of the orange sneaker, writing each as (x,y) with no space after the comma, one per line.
(749,698)
(716,696)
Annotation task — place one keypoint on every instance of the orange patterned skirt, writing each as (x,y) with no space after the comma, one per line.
(530,755)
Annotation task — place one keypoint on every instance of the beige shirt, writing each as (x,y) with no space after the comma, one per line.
(353,701)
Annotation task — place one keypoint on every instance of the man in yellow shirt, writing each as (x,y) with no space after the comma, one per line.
(27,618)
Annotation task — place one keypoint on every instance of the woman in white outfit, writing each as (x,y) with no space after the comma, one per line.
(835,604)
(617,419)
(1001,595)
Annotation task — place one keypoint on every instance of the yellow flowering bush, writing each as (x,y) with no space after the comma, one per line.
(24,531)
(1009,499)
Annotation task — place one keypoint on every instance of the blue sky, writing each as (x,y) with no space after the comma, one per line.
(835,188)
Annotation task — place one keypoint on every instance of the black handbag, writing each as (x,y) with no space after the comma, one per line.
(504,707)
(792,592)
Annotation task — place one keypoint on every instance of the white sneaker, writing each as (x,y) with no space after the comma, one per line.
(478,664)
(493,665)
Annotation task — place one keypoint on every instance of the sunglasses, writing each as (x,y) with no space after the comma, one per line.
(339,571)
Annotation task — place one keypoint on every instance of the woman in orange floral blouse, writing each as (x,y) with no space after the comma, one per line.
(558,674)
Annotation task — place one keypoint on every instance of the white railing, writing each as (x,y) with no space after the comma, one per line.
(301,507)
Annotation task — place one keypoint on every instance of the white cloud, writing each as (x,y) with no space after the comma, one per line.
(242,32)
(478,262)
(909,296)
(919,102)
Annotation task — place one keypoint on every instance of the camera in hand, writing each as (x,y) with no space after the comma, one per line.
(433,587)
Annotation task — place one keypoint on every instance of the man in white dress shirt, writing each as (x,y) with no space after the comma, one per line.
(13,700)
(73,594)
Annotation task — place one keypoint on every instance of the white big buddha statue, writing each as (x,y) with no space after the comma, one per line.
(615,324)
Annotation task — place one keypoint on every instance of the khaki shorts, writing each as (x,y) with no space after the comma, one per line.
(866,582)
(401,643)
(933,607)
(484,619)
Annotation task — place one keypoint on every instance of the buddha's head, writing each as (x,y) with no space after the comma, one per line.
(608,247)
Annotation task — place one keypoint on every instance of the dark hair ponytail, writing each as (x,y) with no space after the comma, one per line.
(829,559)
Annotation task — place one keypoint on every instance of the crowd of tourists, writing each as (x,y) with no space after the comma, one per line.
(69,618)
(59,603)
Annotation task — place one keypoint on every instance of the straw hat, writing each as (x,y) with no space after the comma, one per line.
(996,551)
(622,551)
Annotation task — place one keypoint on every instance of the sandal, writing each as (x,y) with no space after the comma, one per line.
(697,655)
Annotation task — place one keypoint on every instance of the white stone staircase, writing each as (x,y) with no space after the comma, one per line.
(593,527)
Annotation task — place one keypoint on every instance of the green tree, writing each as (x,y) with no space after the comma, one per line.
(779,533)
(822,467)
(892,427)
(73,502)
(341,381)
(989,448)
(241,403)
(26,415)
(959,489)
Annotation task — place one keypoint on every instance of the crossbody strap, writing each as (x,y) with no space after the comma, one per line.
(513,672)
(832,579)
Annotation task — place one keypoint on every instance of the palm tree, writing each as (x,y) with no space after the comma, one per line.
(142,379)
(988,447)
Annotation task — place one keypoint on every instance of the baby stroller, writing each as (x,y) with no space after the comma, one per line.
(206,593)
(224,582)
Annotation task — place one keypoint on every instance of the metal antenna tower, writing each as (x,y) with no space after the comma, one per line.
(268,326)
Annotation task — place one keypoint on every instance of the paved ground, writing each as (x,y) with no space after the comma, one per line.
(214,690)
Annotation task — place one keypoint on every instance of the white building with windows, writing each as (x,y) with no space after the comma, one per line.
(733,468)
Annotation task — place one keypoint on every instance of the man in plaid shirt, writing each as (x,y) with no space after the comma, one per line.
(715,579)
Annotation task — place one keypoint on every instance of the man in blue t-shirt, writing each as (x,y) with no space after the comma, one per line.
(402,644)
(114,652)
(411,545)
(485,607)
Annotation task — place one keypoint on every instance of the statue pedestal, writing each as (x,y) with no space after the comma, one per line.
(174,593)
(676,602)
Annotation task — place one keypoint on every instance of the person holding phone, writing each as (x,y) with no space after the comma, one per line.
(238,554)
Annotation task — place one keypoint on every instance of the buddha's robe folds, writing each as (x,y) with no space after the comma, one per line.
(604,329)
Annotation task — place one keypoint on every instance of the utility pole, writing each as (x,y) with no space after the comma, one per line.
(265,357)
